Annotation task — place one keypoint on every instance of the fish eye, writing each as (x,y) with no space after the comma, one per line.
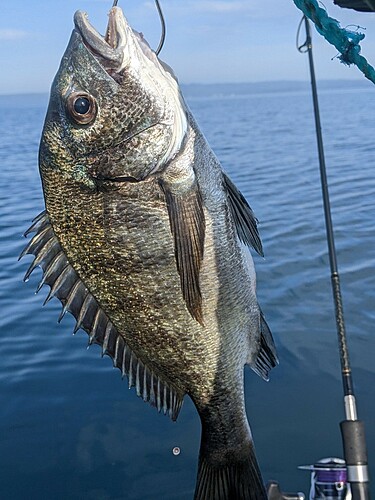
(81,107)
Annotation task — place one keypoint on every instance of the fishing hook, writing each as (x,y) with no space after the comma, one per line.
(163,29)
(162,22)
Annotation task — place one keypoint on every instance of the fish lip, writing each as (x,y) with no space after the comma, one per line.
(111,50)
(107,48)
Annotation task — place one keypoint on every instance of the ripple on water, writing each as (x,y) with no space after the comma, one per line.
(67,414)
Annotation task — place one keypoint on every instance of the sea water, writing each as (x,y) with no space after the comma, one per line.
(69,426)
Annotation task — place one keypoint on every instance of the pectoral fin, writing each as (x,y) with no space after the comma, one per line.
(187,224)
(244,218)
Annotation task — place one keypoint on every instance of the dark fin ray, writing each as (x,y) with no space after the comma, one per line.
(130,372)
(188,227)
(37,241)
(65,274)
(236,481)
(52,269)
(66,285)
(68,299)
(99,326)
(86,313)
(119,352)
(39,221)
(244,218)
(229,476)
(267,356)
(158,395)
(109,340)
(41,255)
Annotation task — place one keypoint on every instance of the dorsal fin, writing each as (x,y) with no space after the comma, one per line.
(67,286)
(244,218)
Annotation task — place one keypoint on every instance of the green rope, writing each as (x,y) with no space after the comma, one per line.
(345,41)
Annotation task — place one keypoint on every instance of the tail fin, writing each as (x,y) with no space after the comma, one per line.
(234,476)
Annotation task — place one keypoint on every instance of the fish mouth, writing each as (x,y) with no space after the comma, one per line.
(125,54)
(113,50)
(108,49)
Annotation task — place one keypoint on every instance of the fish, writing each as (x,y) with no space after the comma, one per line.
(146,241)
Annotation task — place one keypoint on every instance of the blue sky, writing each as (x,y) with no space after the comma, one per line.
(207,41)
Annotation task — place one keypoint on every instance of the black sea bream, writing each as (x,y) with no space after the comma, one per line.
(145,241)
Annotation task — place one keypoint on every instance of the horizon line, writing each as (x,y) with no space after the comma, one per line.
(207,84)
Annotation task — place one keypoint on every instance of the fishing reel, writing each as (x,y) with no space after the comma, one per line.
(274,493)
(328,482)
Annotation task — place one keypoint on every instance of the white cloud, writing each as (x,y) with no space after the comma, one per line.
(12,34)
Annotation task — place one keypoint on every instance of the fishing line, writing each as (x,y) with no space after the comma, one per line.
(162,22)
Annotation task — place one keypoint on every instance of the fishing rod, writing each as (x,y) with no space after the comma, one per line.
(352,429)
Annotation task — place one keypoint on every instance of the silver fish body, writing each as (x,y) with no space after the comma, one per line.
(145,241)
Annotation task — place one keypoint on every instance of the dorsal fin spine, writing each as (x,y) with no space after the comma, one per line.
(137,381)
(94,326)
(37,224)
(123,367)
(131,383)
(41,255)
(82,312)
(54,288)
(165,400)
(106,338)
(115,357)
(39,238)
(158,398)
(145,395)
(68,287)
(50,268)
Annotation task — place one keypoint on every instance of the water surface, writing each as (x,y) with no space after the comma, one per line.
(70,428)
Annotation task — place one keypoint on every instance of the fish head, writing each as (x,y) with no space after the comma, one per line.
(115,108)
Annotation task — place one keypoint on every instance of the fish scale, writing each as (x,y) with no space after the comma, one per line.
(145,242)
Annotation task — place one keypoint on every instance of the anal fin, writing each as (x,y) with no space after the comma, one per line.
(267,356)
